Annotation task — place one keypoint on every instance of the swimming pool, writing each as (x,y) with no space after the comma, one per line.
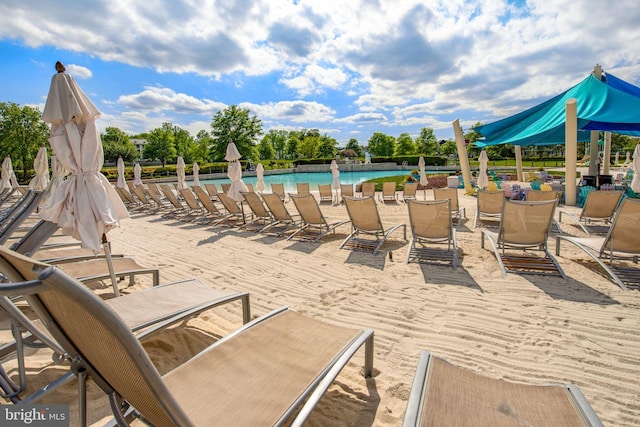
(313,178)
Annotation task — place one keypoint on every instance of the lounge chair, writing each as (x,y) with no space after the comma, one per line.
(155,195)
(233,209)
(163,305)
(283,220)
(457,212)
(19,212)
(279,190)
(250,188)
(326,193)
(620,243)
(269,371)
(430,223)
(409,191)
(260,215)
(346,190)
(178,207)
(524,227)
(388,192)
(225,188)
(303,187)
(445,395)
(127,198)
(541,196)
(368,189)
(212,190)
(365,221)
(208,205)
(143,200)
(489,205)
(314,224)
(599,207)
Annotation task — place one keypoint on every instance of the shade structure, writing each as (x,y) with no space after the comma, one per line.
(260,186)
(84,205)
(423,175)
(335,172)
(234,172)
(9,179)
(137,175)
(601,105)
(196,174)
(635,181)
(41,167)
(483,179)
(121,182)
(182,177)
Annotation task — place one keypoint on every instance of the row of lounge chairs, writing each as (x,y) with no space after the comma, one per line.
(271,371)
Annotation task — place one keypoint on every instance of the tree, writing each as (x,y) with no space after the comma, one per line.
(278,140)
(116,143)
(234,124)
(201,146)
(449,147)
(160,144)
(308,147)
(472,136)
(353,145)
(427,143)
(381,144)
(327,147)
(404,145)
(184,143)
(22,133)
(293,140)
(265,148)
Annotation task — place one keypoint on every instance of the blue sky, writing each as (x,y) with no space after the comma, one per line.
(347,68)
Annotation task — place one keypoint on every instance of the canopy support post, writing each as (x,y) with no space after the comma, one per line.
(519,174)
(606,158)
(571,151)
(462,155)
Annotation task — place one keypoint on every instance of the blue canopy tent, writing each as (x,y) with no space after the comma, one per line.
(613,105)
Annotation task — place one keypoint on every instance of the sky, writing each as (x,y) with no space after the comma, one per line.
(347,68)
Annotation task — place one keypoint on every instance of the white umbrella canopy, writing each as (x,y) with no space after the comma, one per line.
(423,175)
(635,182)
(336,175)
(9,179)
(137,175)
(234,172)
(483,179)
(196,174)
(57,176)
(617,158)
(85,205)
(41,166)
(628,160)
(260,186)
(121,183)
(182,177)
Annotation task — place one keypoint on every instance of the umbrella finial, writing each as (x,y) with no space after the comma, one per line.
(60,67)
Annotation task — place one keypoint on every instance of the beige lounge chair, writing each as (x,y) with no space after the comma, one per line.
(430,223)
(212,190)
(212,211)
(163,306)
(314,224)
(368,189)
(260,215)
(622,242)
(388,192)
(346,190)
(278,188)
(326,193)
(154,194)
(489,205)
(178,207)
(195,209)
(365,221)
(283,220)
(446,395)
(457,212)
(524,227)
(541,196)
(409,191)
(599,207)
(235,214)
(250,188)
(249,377)
(303,187)
(225,188)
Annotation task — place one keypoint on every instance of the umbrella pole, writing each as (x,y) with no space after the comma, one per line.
(112,273)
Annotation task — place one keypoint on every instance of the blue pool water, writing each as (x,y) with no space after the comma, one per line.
(313,178)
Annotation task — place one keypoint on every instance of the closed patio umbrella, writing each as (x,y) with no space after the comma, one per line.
(85,205)
(182,177)
(423,175)
(617,158)
(234,172)
(121,183)
(41,167)
(628,159)
(137,175)
(196,174)
(260,186)
(635,182)
(57,176)
(336,177)
(483,179)
(9,179)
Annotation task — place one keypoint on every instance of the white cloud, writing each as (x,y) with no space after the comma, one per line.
(155,99)
(78,71)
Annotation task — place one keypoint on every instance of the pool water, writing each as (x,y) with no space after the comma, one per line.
(313,178)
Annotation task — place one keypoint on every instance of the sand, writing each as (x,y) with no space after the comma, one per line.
(535,329)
